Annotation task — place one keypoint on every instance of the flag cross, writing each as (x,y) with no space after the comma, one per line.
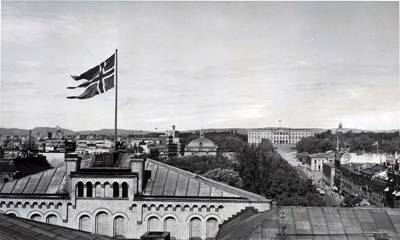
(100,79)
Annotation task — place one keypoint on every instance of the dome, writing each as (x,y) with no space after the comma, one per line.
(201,142)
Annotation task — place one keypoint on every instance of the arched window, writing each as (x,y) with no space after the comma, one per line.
(51,219)
(153,224)
(119,226)
(171,226)
(212,228)
(124,190)
(36,217)
(195,228)
(98,190)
(102,224)
(80,189)
(107,190)
(84,223)
(115,190)
(89,189)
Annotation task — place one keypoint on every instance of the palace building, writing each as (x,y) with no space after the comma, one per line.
(123,195)
(278,136)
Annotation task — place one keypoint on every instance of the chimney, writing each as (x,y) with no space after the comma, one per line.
(137,166)
(73,164)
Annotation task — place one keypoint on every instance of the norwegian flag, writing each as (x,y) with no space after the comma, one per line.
(100,79)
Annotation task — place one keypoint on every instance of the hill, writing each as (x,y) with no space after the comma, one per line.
(123,132)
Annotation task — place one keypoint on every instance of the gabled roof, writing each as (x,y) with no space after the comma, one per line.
(169,181)
(14,228)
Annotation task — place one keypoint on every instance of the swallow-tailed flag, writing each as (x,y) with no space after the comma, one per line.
(100,79)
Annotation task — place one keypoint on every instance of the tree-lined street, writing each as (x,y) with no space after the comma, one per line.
(289,154)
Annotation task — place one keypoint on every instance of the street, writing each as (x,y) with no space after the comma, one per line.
(289,154)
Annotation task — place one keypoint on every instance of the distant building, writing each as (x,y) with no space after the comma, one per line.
(170,144)
(328,169)
(316,161)
(201,146)
(278,136)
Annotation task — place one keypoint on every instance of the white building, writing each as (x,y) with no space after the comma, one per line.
(278,136)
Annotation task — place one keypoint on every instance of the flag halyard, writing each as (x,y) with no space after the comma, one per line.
(100,79)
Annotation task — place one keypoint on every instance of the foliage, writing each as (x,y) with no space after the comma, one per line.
(265,172)
(227,176)
(259,169)
(302,157)
(201,164)
(357,142)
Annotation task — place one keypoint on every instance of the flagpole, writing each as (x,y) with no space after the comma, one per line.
(116,98)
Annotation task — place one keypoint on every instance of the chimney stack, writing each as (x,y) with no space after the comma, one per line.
(137,166)
(73,164)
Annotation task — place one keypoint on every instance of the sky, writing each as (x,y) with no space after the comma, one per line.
(203,64)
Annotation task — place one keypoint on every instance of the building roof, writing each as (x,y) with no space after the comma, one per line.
(14,228)
(330,164)
(163,181)
(48,182)
(26,165)
(201,142)
(322,155)
(244,223)
(169,181)
(322,223)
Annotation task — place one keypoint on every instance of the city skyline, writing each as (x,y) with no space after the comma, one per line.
(203,64)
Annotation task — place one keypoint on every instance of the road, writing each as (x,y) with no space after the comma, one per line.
(289,154)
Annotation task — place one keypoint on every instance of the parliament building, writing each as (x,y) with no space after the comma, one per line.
(123,195)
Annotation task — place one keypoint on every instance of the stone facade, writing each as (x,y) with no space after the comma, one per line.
(113,201)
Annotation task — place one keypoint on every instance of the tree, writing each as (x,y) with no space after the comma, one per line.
(227,176)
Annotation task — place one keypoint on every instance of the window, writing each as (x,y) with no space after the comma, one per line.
(102,224)
(89,189)
(124,190)
(51,219)
(212,228)
(153,224)
(171,226)
(115,190)
(36,217)
(119,227)
(195,228)
(80,189)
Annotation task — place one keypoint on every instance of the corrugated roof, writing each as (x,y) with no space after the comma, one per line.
(243,224)
(14,228)
(317,223)
(166,180)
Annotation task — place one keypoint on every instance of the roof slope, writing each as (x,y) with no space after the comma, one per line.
(321,223)
(164,181)
(169,181)
(48,182)
(243,224)
(14,228)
